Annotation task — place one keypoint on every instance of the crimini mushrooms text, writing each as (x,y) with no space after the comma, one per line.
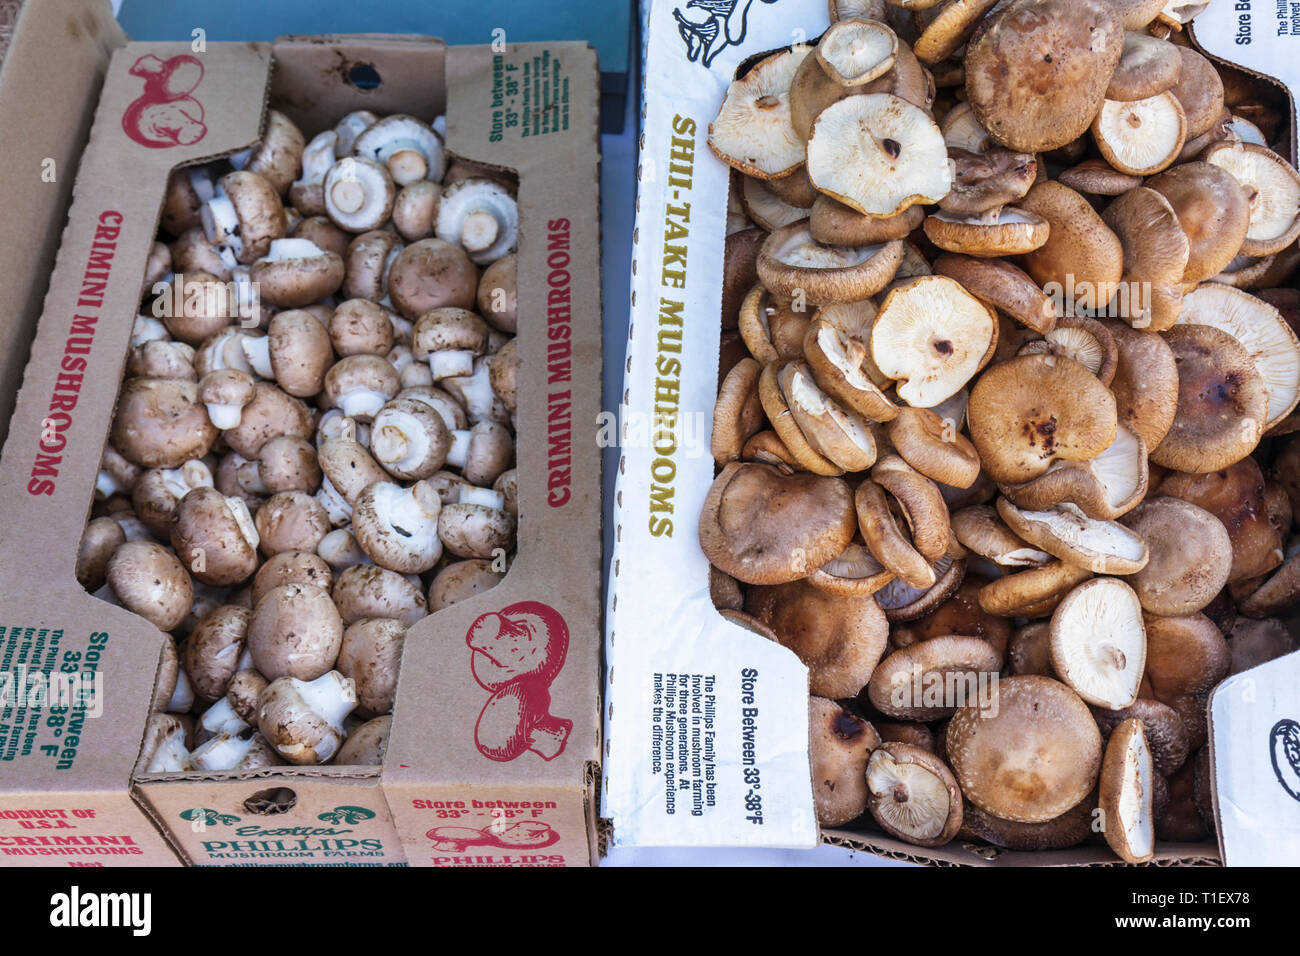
(81,336)
(559,365)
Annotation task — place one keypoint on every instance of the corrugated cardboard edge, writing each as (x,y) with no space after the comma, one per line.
(79,37)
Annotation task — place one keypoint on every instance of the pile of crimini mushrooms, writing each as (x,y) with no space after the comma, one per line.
(1008,362)
(313,446)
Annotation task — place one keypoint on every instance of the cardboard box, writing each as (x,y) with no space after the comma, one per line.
(706,723)
(42,146)
(545,128)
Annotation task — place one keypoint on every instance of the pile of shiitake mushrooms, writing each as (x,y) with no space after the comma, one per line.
(1008,370)
(314,442)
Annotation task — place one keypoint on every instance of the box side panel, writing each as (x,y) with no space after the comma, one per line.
(84,828)
(42,148)
(277,819)
(476,825)
(532,109)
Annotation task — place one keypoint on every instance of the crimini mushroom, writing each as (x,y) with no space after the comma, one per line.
(278,157)
(366,745)
(303,720)
(431,274)
(399,527)
(366,590)
(359,194)
(245,216)
(147,580)
(211,654)
(215,537)
(481,216)
(407,147)
(461,580)
(160,423)
(371,655)
(297,272)
(295,631)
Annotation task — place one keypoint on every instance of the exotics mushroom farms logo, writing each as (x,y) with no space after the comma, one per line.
(517,653)
(166,114)
(710,26)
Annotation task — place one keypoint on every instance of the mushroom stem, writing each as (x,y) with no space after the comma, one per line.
(472,495)
(458,454)
(479,230)
(451,363)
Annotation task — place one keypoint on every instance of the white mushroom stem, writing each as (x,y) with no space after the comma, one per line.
(221,222)
(181,481)
(451,363)
(224,417)
(415,375)
(106,485)
(248,300)
(257,350)
(134,528)
(317,158)
(336,506)
(458,454)
(221,718)
(474,391)
(182,698)
(473,495)
(171,755)
(202,183)
(240,159)
(340,550)
(305,718)
(283,250)
(405,161)
(479,230)
(244,521)
(362,402)
(222,752)
(147,329)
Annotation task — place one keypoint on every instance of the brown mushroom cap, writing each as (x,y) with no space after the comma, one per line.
(979,528)
(1065,532)
(160,423)
(1222,402)
(1035,592)
(367,590)
(215,538)
(270,413)
(1147,66)
(903,602)
(1081,251)
(929,680)
(738,413)
(291,567)
(836,224)
(260,212)
(1002,285)
(211,653)
(1009,231)
(839,744)
(148,580)
(1145,383)
(1234,495)
(1059,833)
(840,639)
(1029,411)
(1156,252)
(934,446)
(913,795)
(1096,177)
(791,263)
(855,573)
(764,527)
(432,274)
(1125,792)
(1199,90)
(1166,735)
(1190,556)
(1213,211)
(1037,70)
(1032,761)
(371,654)
(295,631)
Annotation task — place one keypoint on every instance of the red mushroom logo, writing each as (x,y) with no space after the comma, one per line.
(529,834)
(517,654)
(166,114)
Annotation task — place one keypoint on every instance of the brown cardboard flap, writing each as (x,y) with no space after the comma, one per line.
(554,584)
(315,78)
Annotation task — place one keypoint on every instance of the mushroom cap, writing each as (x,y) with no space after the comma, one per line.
(1156,253)
(913,795)
(1199,91)
(1032,410)
(1190,556)
(270,413)
(215,537)
(1065,532)
(1143,136)
(1096,177)
(471,530)
(855,572)
(1272,188)
(1213,210)
(902,602)
(1223,401)
(481,216)
(1002,285)
(1125,792)
(101,538)
(409,439)
(349,467)
(415,210)
(944,28)
(842,365)
(833,432)
(988,180)
(768,210)
(752,131)
(930,679)
(360,385)
(148,580)
(463,579)
(1106,486)
(299,349)
(359,194)
(367,590)
(878,154)
(1069,829)
(1033,760)
(297,272)
(839,743)
(371,654)
(398,527)
(1146,67)
(291,521)
(932,337)
(366,745)
(291,567)
(840,639)
(1037,70)
(1098,642)
(407,147)
(278,157)
(430,274)
(1082,339)
(259,210)
(981,529)
(160,423)
(1007,232)
(1081,252)
(497,296)
(1166,735)
(737,413)
(1035,592)
(1187,657)
(791,260)
(288,463)
(764,527)
(853,52)
(959,615)
(835,224)
(934,446)
(369,258)
(212,652)
(303,721)
(886,542)
(295,631)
